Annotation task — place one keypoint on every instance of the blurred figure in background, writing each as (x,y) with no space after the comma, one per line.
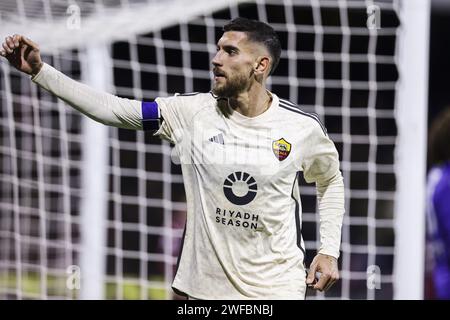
(438,215)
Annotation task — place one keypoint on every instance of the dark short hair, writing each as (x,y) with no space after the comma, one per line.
(260,32)
(439,139)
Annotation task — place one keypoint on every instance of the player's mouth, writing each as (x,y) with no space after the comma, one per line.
(218,74)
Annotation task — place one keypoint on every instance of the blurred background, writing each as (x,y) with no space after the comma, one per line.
(92,212)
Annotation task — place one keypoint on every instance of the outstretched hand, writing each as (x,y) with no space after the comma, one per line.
(327,267)
(22,53)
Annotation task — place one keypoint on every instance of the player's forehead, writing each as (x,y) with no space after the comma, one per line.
(233,38)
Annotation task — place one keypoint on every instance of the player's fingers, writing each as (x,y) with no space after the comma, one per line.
(9,41)
(6,48)
(333,278)
(311,274)
(323,281)
(29,42)
(16,39)
(2,53)
(329,285)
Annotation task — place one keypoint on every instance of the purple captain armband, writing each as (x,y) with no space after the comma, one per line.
(151,119)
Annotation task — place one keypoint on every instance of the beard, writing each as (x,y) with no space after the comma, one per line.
(232,86)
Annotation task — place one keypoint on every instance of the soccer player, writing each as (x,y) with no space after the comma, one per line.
(438,194)
(242,149)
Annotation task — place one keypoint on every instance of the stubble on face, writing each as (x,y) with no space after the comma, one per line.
(233,86)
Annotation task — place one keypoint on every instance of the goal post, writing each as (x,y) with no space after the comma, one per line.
(411,152)
(96,69)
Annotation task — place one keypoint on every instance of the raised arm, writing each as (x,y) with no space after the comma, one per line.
(24,55)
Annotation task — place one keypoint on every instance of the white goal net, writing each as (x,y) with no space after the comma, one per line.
(95,212)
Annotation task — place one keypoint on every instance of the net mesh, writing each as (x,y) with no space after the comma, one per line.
(40,187)
(331,64)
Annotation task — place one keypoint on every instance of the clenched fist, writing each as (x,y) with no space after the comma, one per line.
(22,53)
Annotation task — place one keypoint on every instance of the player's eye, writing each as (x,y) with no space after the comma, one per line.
(232,51)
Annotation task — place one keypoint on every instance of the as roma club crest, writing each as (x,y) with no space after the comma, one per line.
(281,148)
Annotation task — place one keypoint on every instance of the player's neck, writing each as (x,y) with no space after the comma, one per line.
(252,102)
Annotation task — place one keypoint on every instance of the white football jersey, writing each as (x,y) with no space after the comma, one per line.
(243,232)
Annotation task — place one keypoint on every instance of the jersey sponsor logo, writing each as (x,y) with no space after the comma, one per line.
(244,184)
(237,218)
(281,148)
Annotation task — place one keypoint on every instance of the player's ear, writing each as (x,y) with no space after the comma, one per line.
(262,65)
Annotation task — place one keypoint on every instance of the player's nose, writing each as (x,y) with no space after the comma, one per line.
(216,61)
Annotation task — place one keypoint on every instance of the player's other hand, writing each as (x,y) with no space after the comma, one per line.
(326,266)
(22,53)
